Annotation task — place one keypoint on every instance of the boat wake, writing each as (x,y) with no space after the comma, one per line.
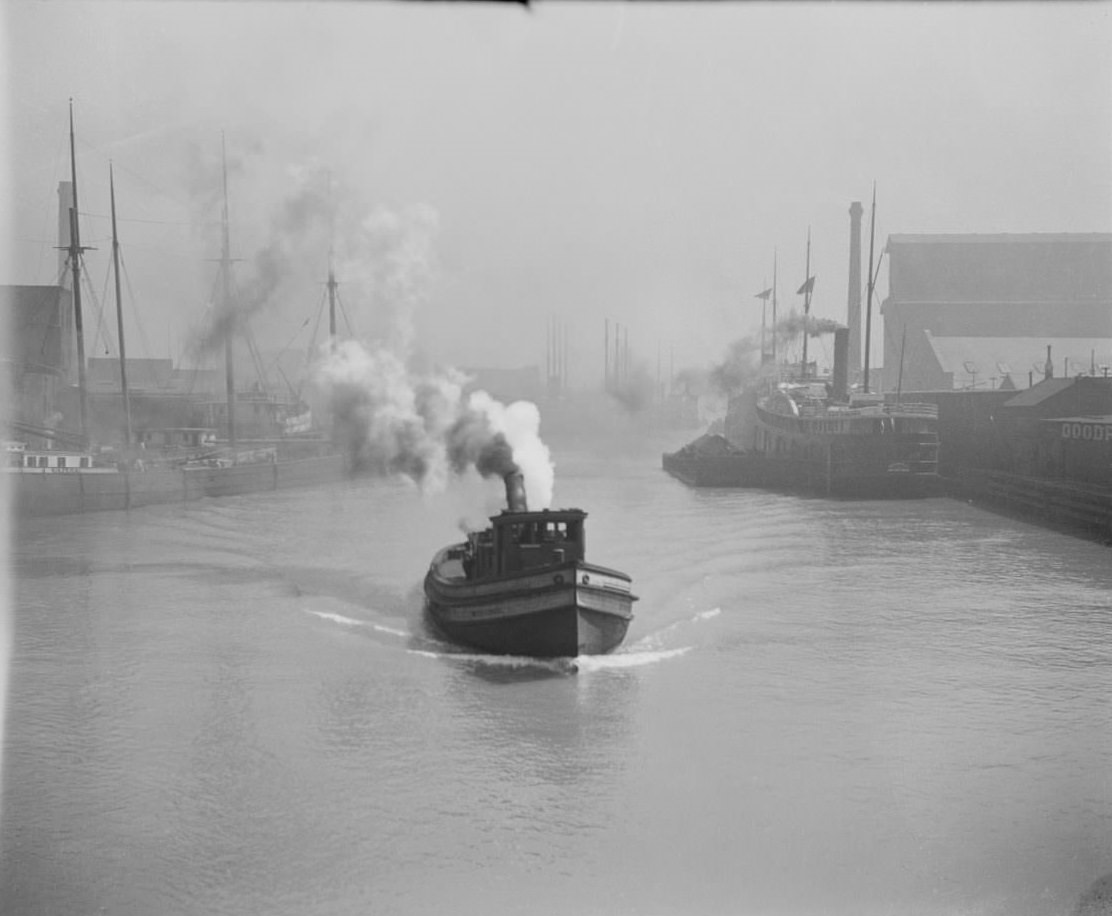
(634,658)
(658,638)
(350,622)
(649,650)
(585,663)
(507,662)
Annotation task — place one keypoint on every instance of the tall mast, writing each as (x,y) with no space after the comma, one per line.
(226,277)
(869,295)
(564,363)
(331,270)
(332,284)
(806,300)
(617,354)
(764,335)
(774,306)
(75,251)
(606,355)
(119,311)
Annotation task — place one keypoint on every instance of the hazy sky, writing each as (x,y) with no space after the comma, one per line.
(633,161)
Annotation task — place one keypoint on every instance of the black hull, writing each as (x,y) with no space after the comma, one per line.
(563,632)
(784,473)
(741,470)
(548,612)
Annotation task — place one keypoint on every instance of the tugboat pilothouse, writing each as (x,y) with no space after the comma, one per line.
(523,586)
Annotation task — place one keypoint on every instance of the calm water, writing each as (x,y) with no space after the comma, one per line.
(821,707)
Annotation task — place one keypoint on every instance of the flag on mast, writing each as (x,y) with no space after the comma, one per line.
(808,285)
(764,295)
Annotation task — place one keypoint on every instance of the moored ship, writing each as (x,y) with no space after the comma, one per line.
(860,449)
(524,587)
(811,435)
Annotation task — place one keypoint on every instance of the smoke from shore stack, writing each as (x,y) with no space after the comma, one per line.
(792,326)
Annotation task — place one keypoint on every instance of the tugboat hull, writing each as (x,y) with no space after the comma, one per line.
(575,609)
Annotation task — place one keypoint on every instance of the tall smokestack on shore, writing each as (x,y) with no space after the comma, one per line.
(853,315)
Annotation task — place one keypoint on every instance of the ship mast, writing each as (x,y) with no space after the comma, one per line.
(774,306)
(806,300)
(226,277)
(764,308)
(119,311)
(75,251)
(869,294)
(332,284)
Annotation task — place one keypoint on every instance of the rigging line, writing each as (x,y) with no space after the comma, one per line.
(184,203)
(59,157)
(100,309)
(316,328)
(48,324)
(147,349)
(294,391)
(193,224)
(253,349)
(280,353)
(347,320)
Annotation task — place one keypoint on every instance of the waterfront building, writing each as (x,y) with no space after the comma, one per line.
(980,311)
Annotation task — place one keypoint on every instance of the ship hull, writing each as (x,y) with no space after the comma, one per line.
(551,612)
(743,469)
(863,456)
(36,494)
(755,470)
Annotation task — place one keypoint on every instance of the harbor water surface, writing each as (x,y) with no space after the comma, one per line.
(233,706)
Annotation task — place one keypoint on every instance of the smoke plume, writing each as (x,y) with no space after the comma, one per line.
(388,256)
(635,391)
(393,420)
(739,368)
(295,248)
(787,329)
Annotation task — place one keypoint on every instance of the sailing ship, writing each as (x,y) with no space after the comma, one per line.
(523,586)
(83,475)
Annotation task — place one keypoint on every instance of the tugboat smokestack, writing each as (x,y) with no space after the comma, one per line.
(515,492)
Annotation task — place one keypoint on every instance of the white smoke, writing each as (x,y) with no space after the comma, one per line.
(388,258)
(393,420)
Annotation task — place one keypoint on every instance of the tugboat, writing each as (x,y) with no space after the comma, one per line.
(523,586)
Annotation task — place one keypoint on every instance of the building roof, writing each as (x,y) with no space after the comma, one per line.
(1093,394)
(1000,238)
(1042,391)
(1036,267)
(980,359)
(104,372)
